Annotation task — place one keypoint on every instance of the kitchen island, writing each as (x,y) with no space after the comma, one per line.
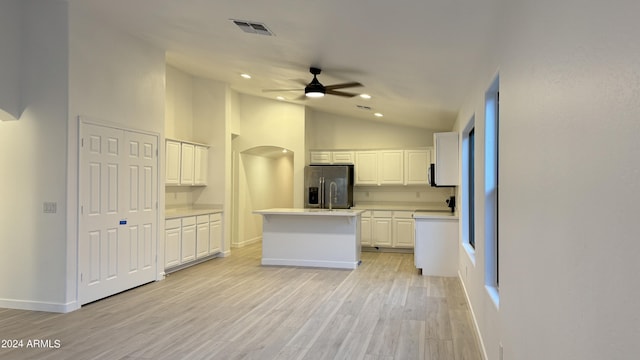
(311,237)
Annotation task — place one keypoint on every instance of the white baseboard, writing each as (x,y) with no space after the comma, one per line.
(473,317)
(39,305)
(247,242)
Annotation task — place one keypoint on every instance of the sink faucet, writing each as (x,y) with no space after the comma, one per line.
(332,185)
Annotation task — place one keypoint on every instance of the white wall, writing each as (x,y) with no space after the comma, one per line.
(569,183)
(269,123)
(267,183)
(329,131)
(114,78)
(11,17)
(33,163)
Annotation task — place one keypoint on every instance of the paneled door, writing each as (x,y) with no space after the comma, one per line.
(118,182)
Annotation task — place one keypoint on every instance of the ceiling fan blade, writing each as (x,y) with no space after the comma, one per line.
(342,86)
(277,90)
(340,93)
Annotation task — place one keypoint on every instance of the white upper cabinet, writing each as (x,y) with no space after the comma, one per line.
(331,157)
(416,164)
(187,168)
(172,162)
(186,163)
(445,158)
(366,168)
(342,157)
(391,167)
(201,165)
(320,157)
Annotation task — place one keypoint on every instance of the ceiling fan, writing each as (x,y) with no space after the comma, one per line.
(315,89)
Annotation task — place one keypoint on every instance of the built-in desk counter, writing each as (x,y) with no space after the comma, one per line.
(311,237)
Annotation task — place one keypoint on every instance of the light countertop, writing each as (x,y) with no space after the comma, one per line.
(434,215)
(172,213)
(307,212)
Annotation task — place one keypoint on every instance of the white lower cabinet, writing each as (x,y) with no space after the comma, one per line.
(436,250)
(389,229)
(403,232)
(172,243)
(365,229)
(381,228)
(192,238)
(188,246)
(202,236)
(215,231)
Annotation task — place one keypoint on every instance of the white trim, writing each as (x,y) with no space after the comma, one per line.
(473,317)
(39,305)
(311,263)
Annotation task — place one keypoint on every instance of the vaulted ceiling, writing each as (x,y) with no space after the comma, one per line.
(416,58)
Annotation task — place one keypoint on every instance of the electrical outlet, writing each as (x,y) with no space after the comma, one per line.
(49,207)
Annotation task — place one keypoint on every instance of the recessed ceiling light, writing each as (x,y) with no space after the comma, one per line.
(284,151)
(246,76)
(280,98)
(365,96)
(378,114)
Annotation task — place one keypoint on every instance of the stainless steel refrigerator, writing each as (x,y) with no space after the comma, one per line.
(328,186)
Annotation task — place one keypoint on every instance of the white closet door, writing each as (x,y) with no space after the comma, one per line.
(118,215)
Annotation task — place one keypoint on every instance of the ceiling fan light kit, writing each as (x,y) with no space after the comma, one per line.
(315,89)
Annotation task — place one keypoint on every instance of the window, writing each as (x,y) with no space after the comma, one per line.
(468,188)
(492,244)
(471,192)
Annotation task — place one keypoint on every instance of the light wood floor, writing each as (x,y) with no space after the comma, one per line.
(234,308)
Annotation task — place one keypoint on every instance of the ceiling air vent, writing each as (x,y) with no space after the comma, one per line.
(253,27)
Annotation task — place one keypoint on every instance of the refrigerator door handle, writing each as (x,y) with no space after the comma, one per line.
(321,200)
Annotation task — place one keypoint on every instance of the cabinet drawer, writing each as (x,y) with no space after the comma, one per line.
(191,220)
(172,224)
(201,219)
(215,217)
(382,213)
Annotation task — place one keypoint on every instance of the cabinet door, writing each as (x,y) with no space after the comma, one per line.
(188,248)
(215,228)
(200,165)
(320,157)
(202,236)
(342,157)
(187,164)
(403,233)
(365,229)
(446,158)
(366,168)
(391,163)
(172,247)
(172,162)
(416,163)
(381,231)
